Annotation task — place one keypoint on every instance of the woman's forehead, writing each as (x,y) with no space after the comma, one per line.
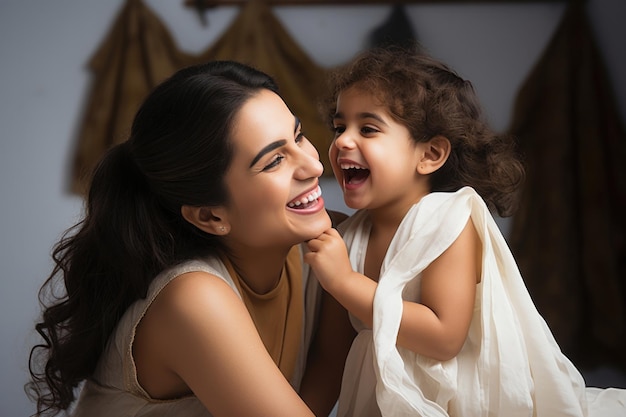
(263,119)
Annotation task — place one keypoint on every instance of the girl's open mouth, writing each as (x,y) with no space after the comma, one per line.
(355,175)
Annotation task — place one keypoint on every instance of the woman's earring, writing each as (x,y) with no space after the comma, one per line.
(222,229)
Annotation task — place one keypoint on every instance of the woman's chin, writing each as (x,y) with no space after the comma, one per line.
(318,226)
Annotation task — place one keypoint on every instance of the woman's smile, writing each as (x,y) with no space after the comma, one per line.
(309,201)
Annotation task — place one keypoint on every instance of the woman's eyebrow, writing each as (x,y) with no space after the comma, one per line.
(297,124)
(266,149)
(274,145)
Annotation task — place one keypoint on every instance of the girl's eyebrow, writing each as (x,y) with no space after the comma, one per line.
(273,145)
(364,115)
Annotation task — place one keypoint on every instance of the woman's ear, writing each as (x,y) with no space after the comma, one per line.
(435,153)
(208,219)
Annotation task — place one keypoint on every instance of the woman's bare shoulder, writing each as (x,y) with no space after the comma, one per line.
(203,333)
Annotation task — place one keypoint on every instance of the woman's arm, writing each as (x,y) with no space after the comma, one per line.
(199,335)
(327,355)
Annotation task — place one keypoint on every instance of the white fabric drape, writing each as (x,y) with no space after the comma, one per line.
(510,364)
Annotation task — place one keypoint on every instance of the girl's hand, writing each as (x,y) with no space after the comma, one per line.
(328,257)
(329,260)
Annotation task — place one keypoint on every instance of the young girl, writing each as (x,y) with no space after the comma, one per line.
(446,325)
(182,291)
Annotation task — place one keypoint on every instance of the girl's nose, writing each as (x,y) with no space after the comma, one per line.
(343,140)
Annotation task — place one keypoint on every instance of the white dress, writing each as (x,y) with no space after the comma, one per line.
(510,364)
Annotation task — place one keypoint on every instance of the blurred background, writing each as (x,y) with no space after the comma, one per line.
(63,89)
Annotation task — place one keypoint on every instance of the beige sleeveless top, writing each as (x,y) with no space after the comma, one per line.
(284,305)
(114,389)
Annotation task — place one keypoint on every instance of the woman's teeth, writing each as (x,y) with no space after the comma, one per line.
(309,198)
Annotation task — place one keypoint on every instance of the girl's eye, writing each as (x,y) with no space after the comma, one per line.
(368,130)
(300,137)
(274,163)
(339,130)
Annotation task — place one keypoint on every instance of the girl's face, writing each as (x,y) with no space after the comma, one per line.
(273,178)
(374,157)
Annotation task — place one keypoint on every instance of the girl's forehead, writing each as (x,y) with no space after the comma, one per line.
(360,96)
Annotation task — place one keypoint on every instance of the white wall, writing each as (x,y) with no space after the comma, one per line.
(44,46)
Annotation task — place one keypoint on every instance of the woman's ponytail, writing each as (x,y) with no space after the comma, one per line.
(106,262)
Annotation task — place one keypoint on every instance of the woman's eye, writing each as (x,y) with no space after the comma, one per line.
(274,163)
(300,137)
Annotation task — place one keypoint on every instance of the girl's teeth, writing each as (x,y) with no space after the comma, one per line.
(351,166)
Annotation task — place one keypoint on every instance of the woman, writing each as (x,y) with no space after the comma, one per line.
(184,290)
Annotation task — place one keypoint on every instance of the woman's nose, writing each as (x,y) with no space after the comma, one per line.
(309,164)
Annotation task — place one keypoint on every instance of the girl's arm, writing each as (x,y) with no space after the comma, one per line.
(329,260)
(198,336)
(322,379)
(437,327)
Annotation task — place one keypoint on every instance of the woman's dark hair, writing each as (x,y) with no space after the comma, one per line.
(177,154)
(430,99)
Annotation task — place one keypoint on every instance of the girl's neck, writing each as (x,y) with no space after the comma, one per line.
(382,219)
(388,217)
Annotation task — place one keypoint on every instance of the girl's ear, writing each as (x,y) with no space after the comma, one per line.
(435,153)
(211,220)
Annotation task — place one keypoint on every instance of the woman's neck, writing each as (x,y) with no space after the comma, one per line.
(260,269)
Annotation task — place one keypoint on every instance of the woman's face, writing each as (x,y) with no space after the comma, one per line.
(273,178)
